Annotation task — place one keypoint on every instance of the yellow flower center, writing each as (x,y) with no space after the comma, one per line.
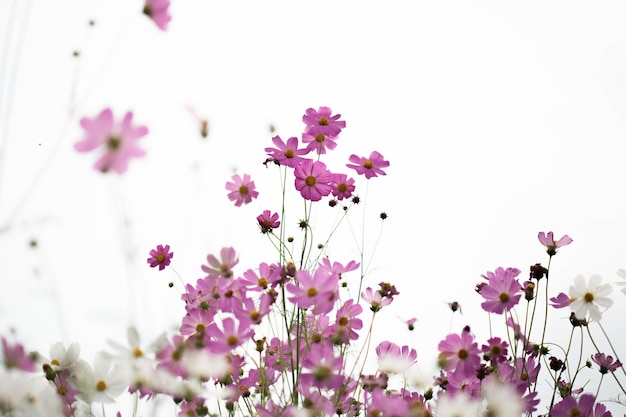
(243,190)
(323,121)
(138,353)
(504,297)
(232,340)
(310,181)
(160,258)
(113,143)
(368,164)
(588,297)
(101,386)
(342,188)
(289,153)
(55,362)
(262,282)
(312,292)
(320,138)
(463,354)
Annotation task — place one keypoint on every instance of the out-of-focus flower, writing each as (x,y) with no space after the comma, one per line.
(242,190)
(622,274)
(158,11)
(117,140)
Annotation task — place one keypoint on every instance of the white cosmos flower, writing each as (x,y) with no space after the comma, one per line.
(588,296)
(24,395)
(62,358)
(458,405)
(502,400)
(102,383)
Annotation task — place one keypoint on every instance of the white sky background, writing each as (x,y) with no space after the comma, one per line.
(499,121)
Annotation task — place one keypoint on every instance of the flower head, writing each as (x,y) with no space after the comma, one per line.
(622,274)
(502,291)
(588,297)
(321,121)
(242,190)
(313,180)
(158,11)
(606,363)
(371,166)
(551,244)
(161,257)
(286,154)
(221,267)
(117,140)
(268,221)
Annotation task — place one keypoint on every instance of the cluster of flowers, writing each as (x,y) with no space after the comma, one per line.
(286,339)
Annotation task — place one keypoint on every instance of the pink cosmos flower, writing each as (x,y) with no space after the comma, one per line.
(242,190)
(375,299)
(321,368)
(15,356)
(161,257)
(570,406)
(459,353)
(502,291)
(313,180)
(560,301)
(319,142)
(117,140)
(345,324)
(268,221)
(343,187)
(370,167)
(158,11)
(321,121)
(393,358)
(221,268)
(317,290)
(267,275)
(606,363)
(286,154)
(552,245)
(228,336)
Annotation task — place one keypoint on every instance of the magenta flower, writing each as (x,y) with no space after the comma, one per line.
(161,257)
(552,245)
(221,267)
(370,167)
(321,368)
(321,121)
(502,291)
(317,290)
(313,180)
(459,353)
(560,301)
(570,406)
(343,187)
(158,11)
(606,363)
(286,154)
(242,190)
(117,140)
(230,336)
(319,142)
(15,357)
(268,221)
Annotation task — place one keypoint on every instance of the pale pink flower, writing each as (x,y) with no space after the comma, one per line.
(242,190)
(313,180)
(116,140)
(158,11)
(551,244)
